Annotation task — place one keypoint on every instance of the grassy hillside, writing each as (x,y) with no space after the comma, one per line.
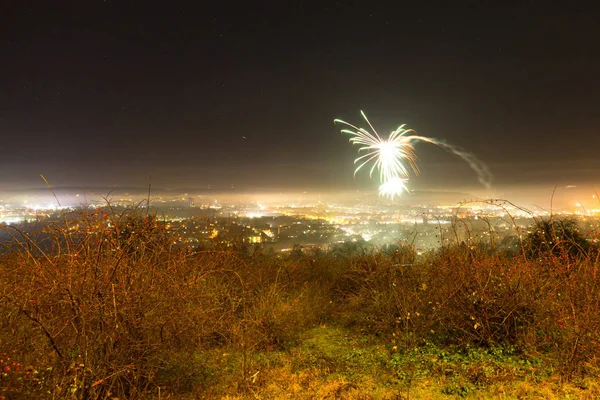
(105,305)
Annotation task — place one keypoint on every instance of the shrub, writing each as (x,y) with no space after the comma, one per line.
(109,304)
(556,236)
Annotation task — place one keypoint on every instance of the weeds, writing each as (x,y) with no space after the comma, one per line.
(106,304)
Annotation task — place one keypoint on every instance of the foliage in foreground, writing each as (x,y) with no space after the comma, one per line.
(107,304)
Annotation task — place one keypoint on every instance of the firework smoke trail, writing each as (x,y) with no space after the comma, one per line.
(484,176)
(393,156)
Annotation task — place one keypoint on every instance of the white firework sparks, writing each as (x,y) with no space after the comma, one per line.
(390,155)
(393,187)
(395,156)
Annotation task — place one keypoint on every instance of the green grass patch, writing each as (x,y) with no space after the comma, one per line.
(331,362)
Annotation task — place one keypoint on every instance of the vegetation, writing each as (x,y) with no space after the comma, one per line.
(558,236)
(107,305)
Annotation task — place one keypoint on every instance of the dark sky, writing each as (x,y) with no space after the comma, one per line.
(245,93)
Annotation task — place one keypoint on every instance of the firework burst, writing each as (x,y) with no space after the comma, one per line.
(394,157)
(393,187)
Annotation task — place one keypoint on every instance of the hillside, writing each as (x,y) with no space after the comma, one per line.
(92,310)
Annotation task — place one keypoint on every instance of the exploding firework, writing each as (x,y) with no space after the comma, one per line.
(395,156)
(393,187)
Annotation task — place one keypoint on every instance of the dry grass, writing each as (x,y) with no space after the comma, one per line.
(107,304)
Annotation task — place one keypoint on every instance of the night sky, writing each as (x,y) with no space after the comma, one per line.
(245,93)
